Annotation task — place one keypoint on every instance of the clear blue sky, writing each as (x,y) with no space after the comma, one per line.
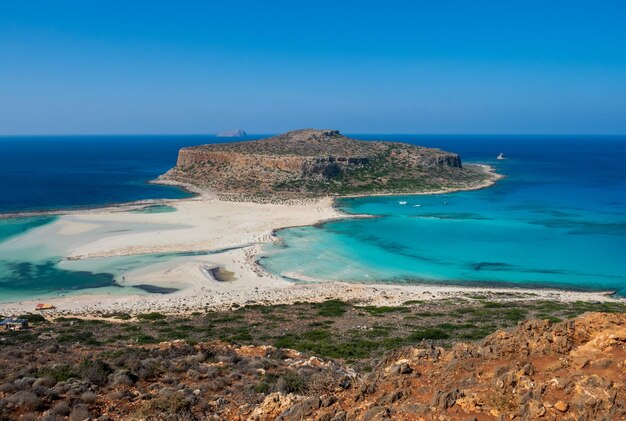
(71,67)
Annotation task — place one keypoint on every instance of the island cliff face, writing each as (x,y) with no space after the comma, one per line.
(320,162)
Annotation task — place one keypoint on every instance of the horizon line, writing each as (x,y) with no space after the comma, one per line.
(277,133)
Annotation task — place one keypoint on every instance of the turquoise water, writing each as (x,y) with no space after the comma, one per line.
(557,220)
(33,270)
(31,265)
(16,226)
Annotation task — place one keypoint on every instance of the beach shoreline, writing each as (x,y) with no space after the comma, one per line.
(228,237)
(213,298)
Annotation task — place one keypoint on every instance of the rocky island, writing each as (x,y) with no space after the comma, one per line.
(232,133)
(313,163)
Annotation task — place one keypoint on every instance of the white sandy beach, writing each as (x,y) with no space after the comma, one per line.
(234,232)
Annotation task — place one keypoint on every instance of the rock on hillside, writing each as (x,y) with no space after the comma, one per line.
(573,370)
(320,162)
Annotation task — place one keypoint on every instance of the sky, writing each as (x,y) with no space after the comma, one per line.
(420,66)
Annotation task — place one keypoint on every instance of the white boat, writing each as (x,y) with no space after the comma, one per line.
(402,203)
(417,206)
(501,156)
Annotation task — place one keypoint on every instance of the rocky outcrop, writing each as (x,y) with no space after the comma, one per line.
(318,162)
(573,370)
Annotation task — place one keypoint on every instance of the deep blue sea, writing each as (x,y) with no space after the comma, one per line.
(57,172)
(557,219)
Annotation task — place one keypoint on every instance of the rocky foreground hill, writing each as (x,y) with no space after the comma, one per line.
(569,370)
(320,162)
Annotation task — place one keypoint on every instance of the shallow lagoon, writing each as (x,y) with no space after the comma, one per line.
(32,266)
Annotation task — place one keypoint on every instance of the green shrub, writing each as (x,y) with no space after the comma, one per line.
(379,311)
(491,304)
(428,333)
(18,337)
(146,339)
(476,334)
(514,314)
(316,335)
(292,383)
(151,316)
(262,387)
(332,308)
(85,338)
(58,373)
(412,302)
(285,341)
(95,370)
(163,407)
(32,318)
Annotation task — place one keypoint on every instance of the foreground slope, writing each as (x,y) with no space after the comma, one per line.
(538,370)
(313,162)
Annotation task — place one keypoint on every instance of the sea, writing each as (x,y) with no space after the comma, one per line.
(557,219)
(64,172)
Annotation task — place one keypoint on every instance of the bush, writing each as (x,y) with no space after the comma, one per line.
(515,314)
(79,413)
(51,417)
(428,334)
(316,335)
(86,338)
(25,400)
(285,341)
(382,310)
(7,387)
(89,397)
(170,407)
(262,387)
(96,371)
(151,316)
(332,308)
(61,408)
(32,318)
(291,383)
(146,339)
(58,373)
